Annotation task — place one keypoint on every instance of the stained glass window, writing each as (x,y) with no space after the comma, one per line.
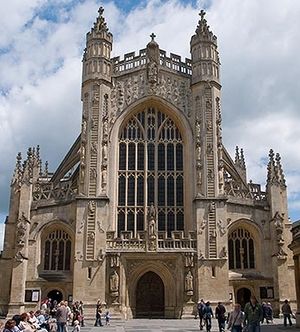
(150,172)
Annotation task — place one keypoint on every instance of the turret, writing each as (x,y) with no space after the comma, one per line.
(96,58)
(240,164)
(205,56)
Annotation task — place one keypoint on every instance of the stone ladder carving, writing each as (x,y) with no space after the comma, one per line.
(212,234)
(94,139)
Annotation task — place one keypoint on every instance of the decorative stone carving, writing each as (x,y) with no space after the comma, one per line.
(91,207)
(78,256)
(202,226)
(115,260)
(189,259)
(125,92)
(152,222)
(223,253)
(189,283)
(222,227)
(91,238)
(114,282)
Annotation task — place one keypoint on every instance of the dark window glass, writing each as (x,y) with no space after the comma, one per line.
(180,221)
(140,191)
(237,254)
(150,182)
(179,157)
(179,191)
(54,255)
(130,221)
(161,191)
(131,156)
(151,157)
(141,157)
(170,223)
(131,187)
(121,193)
(161,221)
(47,256)
(170,157)
(61,254)
(170,192)
(122,156)
(231,254)
(251,254)
(68,255)
(140,221)
(121,222)
(161,157)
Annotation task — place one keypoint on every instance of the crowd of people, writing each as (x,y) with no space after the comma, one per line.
(51,317)
(58,317)
(238,320)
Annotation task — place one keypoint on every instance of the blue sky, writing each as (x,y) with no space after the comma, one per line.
(41,45)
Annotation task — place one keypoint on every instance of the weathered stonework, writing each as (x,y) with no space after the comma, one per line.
(154,199)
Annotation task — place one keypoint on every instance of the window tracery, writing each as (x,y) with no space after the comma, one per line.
(241,249)
(57,251)
(150,171)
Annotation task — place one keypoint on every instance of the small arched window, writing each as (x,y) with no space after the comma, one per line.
(57,251)
(241,249)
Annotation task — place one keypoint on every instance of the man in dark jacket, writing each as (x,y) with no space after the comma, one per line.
(201,311)
(220,316)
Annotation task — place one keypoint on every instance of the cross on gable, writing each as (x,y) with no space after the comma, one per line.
(101,10)
(152,36)
(202,14)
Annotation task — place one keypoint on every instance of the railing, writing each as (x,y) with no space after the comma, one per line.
(126,242)
(63,191)
(132,61)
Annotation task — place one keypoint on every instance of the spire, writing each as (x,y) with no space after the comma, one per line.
(98,50)
(280,174)
(242,159)
(100,24)
(204,54)
(202,31)
(272,177)
(18,172)
(237,155)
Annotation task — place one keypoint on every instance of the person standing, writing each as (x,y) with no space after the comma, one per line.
(81,313)
(98,314)
(287,312)
(208,314)
(220,316)
(236,319)
(62,317)
(269,313)
(253,315)
(201,311)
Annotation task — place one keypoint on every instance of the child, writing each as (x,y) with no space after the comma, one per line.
(52,323)
(107,317)
(76,326)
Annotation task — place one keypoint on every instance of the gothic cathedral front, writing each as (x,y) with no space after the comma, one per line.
(147,212)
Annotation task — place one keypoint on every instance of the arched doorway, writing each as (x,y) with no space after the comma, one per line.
(150,296)
(55,295)
(243,296)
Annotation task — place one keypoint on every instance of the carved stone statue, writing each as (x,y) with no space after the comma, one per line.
(152,221)
(189,282)
(114,282)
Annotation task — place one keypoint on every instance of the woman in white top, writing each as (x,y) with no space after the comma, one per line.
(236,319)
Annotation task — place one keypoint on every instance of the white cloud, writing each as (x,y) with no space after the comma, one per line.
(40,62)
(1,235)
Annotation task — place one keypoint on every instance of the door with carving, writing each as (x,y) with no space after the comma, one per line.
(150,296)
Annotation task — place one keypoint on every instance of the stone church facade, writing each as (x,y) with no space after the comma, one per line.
(148,212)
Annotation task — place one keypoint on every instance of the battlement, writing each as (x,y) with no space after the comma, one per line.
(132,61)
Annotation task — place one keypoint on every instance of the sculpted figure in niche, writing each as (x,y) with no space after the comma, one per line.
(114,282)
(189,282)
(152,221)
(104,151)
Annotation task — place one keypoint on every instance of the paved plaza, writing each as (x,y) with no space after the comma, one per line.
(172,325)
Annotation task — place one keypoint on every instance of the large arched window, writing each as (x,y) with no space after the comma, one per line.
(241,249)
(150,171)
(57,251)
